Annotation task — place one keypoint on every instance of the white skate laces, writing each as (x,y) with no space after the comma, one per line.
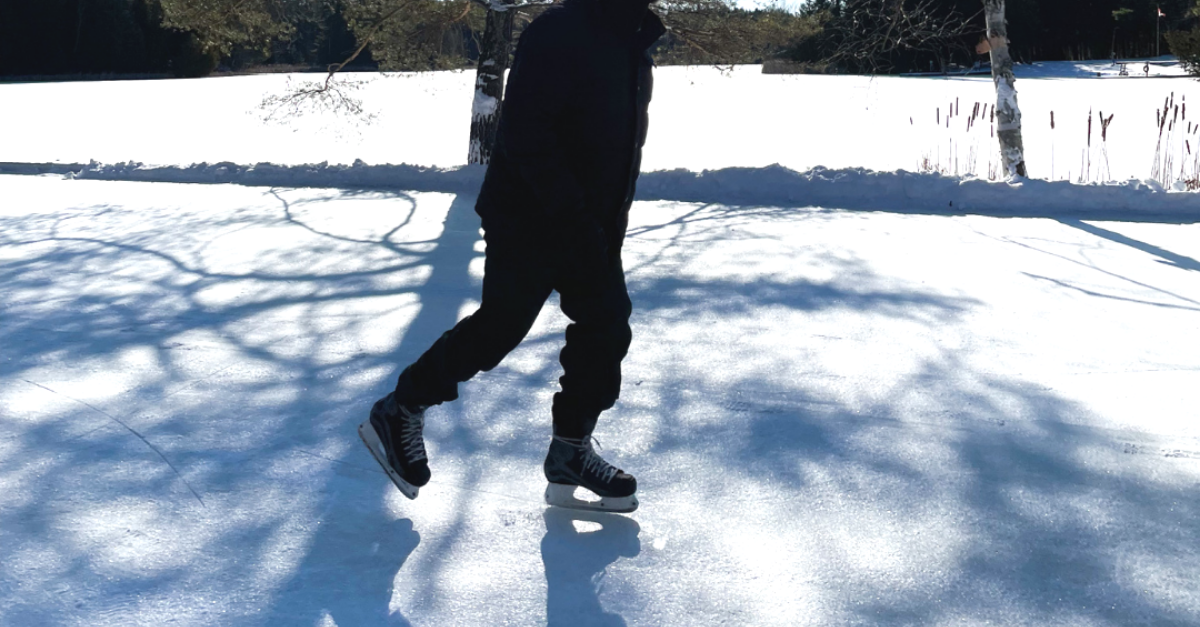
(591,461)
(411,427)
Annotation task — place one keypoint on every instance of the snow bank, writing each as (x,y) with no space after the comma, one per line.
(774,185)
(918,192)
(358,175)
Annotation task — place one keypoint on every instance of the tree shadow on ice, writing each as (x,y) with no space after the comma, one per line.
(980,496)
(961,494)
(576,550)
(180,423)
(1182,262)
(1065,522)
(1160,255)
(336,550)
(990,503)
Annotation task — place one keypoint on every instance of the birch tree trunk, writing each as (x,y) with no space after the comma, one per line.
(1008,114)
(489,80)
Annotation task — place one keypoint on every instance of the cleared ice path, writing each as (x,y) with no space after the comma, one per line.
(837,417)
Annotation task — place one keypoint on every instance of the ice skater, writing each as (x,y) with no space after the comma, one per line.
(554,206)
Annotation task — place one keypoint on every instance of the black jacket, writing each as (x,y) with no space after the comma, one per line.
(573,120)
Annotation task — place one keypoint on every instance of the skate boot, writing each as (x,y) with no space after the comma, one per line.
(393,435)
(574,463)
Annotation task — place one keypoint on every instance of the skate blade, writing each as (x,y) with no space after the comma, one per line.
(563,495)
(371,439)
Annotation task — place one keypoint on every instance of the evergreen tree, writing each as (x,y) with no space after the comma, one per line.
(1186,43)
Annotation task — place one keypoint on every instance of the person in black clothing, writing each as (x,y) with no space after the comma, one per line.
(554,206)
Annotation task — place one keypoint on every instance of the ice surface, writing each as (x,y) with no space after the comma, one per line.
(877,413)
(837,418)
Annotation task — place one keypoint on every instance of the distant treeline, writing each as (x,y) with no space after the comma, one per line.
(939,34)
(1093,29)
(197,37)
(176,37)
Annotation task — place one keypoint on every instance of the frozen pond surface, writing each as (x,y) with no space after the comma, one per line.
(837,418)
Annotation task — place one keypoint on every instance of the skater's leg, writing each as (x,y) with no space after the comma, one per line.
(597,340)
(515,287)
(516,284)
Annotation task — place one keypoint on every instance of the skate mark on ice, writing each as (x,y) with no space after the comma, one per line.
(747,407)
(524,518)
(375,470)
(129,429)
(738,406)
(1143,449)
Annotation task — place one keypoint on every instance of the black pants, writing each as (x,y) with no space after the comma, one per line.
(520,272)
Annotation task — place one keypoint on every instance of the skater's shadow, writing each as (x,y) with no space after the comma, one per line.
(348,575)
(576,550)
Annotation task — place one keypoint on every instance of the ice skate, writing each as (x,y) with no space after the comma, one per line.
(574,463)
(393,435)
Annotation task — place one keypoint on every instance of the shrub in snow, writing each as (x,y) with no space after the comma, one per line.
(1185,44)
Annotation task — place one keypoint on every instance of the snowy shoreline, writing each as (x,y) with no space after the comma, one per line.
(850,188)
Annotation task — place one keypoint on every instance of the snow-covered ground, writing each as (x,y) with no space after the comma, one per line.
(861,409)
(703,118)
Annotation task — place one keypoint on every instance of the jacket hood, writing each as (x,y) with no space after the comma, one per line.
(628,20)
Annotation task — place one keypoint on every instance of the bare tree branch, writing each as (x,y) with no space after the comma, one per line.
(868,34)
(500,7)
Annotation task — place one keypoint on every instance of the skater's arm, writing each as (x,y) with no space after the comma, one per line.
(540,90)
